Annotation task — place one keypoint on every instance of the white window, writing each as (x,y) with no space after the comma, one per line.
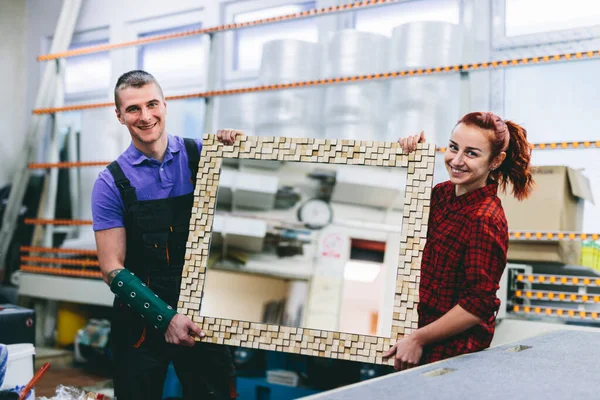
(244,46)
(87,76)
(557,103)
(523,17)
(383,19)
(175,63)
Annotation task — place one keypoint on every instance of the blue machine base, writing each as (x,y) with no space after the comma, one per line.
(250,388)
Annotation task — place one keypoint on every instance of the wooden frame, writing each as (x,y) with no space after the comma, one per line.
(347,346)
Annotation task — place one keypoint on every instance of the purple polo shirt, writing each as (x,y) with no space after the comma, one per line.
(151,180)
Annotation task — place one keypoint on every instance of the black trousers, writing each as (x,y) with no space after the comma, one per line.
(141,358)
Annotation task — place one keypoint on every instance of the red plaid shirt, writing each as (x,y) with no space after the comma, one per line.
(463,260)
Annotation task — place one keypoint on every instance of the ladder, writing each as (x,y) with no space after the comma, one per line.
(47,96)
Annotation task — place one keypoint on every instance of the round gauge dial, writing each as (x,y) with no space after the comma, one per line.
(315,213)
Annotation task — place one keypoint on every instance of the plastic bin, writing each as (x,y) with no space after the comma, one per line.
(19,369)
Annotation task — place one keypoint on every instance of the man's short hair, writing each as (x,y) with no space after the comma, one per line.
(137,79)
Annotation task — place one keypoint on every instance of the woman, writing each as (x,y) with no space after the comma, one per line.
(467,239)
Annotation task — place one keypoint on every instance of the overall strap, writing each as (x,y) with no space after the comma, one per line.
(193,157)
(127,192)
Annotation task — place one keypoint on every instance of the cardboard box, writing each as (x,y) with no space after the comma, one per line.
(556,204)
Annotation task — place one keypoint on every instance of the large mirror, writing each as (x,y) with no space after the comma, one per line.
(306,245)
(313,242)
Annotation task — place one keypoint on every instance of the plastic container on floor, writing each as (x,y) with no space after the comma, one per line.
(71,318)
(19,369)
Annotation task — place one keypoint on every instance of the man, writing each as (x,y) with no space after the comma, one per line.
(141,207)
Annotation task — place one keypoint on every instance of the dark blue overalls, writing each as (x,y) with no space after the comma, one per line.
(157,232)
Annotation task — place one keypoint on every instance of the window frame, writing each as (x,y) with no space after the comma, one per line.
(187,19)
(85,39)
(500,41)
(228,13)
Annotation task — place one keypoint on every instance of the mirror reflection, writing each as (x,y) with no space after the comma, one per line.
(306,245)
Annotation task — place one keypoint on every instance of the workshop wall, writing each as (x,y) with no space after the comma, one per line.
(13,82)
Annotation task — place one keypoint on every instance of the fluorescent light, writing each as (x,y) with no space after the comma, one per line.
(362,271)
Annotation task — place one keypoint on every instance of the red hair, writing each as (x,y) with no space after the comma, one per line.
(511,138)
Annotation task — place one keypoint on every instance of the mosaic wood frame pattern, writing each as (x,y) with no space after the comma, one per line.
(313,342)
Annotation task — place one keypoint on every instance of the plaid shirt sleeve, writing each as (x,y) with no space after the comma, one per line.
(485,259)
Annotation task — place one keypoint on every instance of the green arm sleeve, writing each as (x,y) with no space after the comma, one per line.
(140,298)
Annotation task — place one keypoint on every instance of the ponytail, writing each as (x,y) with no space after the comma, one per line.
(516,167)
